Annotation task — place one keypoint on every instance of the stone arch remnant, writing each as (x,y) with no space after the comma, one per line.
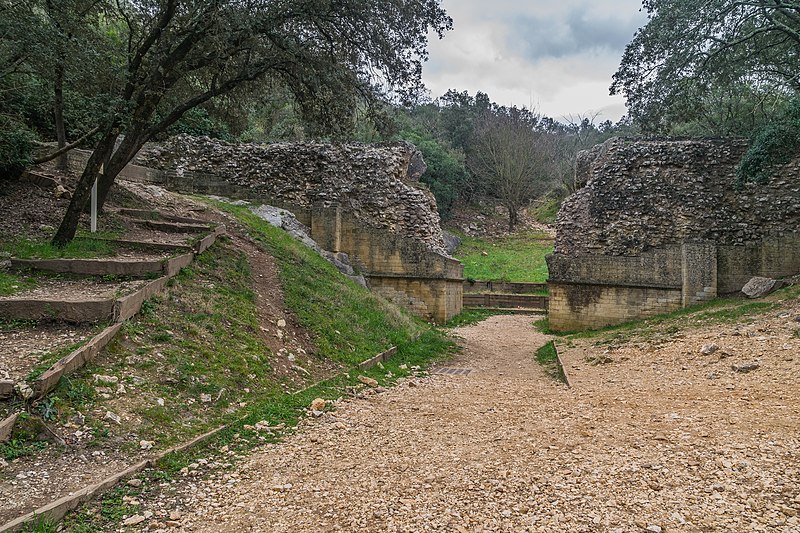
(660,225)
(360,199)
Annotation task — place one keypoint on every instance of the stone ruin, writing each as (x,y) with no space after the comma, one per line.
(376,184)
(357,199)
(660,225)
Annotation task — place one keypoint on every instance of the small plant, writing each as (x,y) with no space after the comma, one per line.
(148,308)
(548,358)
(16,448)
(79,393)
(47,409)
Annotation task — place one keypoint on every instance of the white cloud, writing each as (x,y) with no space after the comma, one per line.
(556,56)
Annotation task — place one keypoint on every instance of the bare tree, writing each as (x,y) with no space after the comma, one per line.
(514,159)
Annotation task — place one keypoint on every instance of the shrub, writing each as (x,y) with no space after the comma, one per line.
(16,148)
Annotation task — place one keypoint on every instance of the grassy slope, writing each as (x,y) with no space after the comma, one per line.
(518,257)
(202,339)
(350,323)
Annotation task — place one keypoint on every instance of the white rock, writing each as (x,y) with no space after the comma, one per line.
(708,349)
(133,520)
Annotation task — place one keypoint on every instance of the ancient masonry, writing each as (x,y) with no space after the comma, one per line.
(362,200)
(660,225)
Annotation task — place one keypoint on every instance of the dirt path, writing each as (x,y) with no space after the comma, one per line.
(507,449)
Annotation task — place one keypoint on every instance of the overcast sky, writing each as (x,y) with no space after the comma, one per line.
(556,56)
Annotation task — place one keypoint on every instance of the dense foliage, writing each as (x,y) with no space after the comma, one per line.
(725,65)
(773,145)
(147,63)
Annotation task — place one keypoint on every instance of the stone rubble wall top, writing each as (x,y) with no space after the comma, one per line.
(376,183)
(651,193)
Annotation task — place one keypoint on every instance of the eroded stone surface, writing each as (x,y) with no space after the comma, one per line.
(643,194)
(378,184)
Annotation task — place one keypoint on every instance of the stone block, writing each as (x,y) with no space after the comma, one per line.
(759,287)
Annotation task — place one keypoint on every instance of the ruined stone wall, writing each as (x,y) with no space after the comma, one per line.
(643,194)
(659,225)
(377,184)
(362,200)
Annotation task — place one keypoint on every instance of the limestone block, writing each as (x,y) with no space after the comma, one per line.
(759,287)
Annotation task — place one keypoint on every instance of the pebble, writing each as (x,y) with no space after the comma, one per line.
(368,381)
(133,520)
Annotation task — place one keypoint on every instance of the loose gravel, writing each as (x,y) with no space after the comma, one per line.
(644,442)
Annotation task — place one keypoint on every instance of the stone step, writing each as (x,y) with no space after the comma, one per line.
(145,214)
(80,301)
(503,301)
(511,310)
(171,227)
(129,266)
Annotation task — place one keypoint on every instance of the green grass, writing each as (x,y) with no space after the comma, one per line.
(547,210)
(48,359)
(79,248)
(548,358)
(105,513)
(14,283)
(469,317)
(349,323)
(204,337)
(518,257)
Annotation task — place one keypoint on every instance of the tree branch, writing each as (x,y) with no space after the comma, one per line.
(67,148)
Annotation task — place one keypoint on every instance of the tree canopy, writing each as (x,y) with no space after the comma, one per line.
(731,64)
(163,58)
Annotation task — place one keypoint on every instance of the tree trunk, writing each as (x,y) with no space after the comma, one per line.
(58,110)
(123,155)
(513,217)
(81,195)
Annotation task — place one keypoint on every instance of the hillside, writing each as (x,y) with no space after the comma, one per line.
(254,319)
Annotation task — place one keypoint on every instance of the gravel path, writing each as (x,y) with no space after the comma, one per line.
(505,448)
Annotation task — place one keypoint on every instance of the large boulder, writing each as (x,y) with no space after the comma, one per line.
(759,287)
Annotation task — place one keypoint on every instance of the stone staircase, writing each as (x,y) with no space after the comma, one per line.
(94,297)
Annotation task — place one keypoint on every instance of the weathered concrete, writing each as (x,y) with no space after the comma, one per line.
(7,426)
(92,267)
(125,308)
(85,311)
(6,388)
(660,226)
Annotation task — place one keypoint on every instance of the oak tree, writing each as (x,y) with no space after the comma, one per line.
(691,56)
(172,56)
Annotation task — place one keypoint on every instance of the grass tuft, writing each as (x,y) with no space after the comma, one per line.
(548,358)
(79,248)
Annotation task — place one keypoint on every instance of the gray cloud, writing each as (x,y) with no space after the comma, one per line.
(573,33)
(556,56)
